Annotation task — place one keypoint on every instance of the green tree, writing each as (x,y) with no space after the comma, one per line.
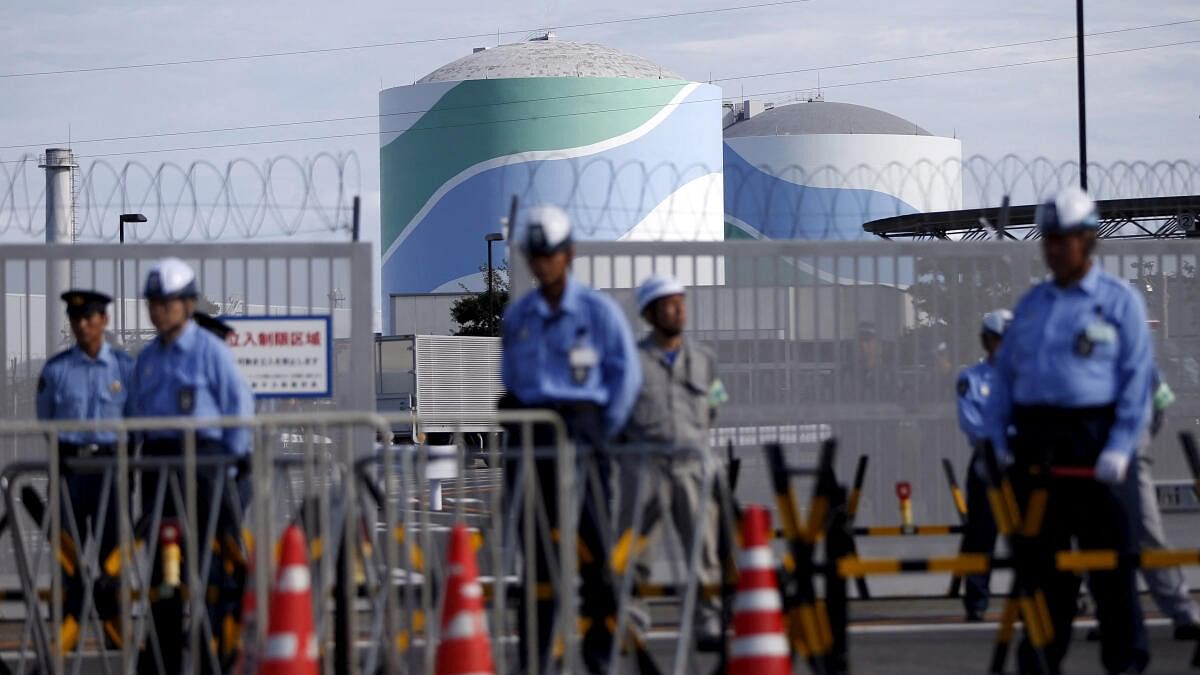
(480,313)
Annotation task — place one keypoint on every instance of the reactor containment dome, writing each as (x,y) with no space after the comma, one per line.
(628,148)
(819,170)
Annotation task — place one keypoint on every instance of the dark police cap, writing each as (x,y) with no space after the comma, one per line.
(83,303)
(212,325)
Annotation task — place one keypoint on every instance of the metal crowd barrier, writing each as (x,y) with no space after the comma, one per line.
(299,471)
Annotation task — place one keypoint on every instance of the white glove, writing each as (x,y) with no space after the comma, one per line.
(1111,467)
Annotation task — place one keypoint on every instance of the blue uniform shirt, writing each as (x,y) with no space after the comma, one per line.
(74,386)
(194,376)
(538,343)
(974,387)
(1082,346)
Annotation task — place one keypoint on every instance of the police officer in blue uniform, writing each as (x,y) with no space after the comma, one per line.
(1072,388)
(187,371)
(567,348)
(89,381)
(974,386)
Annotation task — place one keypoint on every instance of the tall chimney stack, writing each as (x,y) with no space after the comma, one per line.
(60,224)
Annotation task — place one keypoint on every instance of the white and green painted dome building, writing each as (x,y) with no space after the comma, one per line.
(628,148)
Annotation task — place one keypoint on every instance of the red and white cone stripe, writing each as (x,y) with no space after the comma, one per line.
(759,645)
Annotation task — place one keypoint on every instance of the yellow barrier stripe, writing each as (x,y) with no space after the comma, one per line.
(960,501)
(1164,558)
(620,554)
(853,566)
(996,501)
(69,635)
(1035,512)
(1009,504)
(933,529)
(824,630)
(852,505)
(885,531)
(402,642)
(961,565)
(1085,561)
(1032,623)
(67,563)
(1008,622)
(796,635)
(816,517)
(808,623)
(113,632)
(786,505)
(583,553)
(1043,610)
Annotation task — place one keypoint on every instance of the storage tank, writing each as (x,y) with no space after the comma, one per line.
(819,170)
(628,148)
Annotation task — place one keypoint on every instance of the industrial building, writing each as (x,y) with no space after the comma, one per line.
(581,125)
(818,169)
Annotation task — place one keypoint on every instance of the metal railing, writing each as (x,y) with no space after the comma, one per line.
(372,535)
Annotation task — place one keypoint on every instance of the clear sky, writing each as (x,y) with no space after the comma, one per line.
(1144,105)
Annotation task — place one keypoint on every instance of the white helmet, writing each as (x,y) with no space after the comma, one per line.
(1071,210)
(657,286)
(543,229)
(996,322)
(170,278)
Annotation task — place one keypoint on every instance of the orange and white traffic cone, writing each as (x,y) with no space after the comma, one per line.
(291,641)
(464,648)
(759,644)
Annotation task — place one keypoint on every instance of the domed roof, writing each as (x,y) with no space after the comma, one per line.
(548,57)
(823,117)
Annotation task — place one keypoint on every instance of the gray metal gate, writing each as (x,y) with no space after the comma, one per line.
(864,340)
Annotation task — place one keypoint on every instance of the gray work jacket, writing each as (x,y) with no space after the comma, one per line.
(673,406)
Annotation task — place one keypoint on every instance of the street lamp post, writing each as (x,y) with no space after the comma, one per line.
(1083,182)
(491,238)
(125,218)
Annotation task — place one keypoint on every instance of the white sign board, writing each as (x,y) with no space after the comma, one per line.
(283,356)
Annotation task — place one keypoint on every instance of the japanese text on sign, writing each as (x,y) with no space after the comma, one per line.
(283,356)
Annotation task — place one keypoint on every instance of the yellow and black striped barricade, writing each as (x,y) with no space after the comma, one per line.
(905,528)
(965,564)
(960,508)
(1020,529)
(816,626)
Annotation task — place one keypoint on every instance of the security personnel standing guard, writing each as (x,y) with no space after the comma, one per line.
(1072,388)
(567,348)
(974,386)
(674,411)
(189,372)
(89,381)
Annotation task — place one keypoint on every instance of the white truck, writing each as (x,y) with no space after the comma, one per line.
(452,382)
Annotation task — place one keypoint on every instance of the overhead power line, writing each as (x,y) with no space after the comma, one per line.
(733,78)
(897,78)
(397,43)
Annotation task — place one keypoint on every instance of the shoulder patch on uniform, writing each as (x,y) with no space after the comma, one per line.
(963,386)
